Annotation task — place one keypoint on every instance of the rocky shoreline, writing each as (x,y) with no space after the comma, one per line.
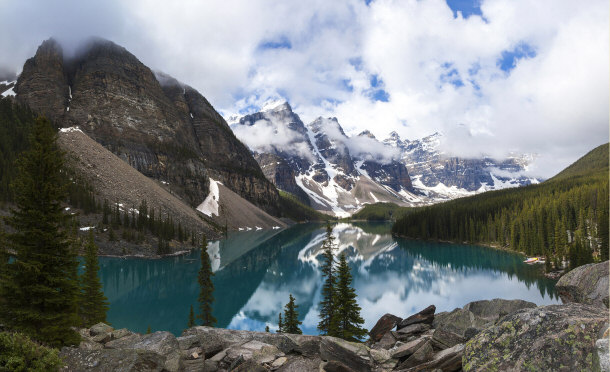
(506,335)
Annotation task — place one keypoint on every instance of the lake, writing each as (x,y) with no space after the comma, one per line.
(256,270)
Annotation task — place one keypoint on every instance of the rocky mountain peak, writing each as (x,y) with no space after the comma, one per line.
(367,133)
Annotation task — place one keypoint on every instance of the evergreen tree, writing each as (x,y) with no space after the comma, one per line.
(206,291)
(148,330)
(603,233)
(349,321)
(93,303)
(327,324)
(291,317)
(267,329)
(40,286)
(191,322)
(280,325)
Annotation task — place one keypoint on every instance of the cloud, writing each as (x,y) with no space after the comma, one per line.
(517,75)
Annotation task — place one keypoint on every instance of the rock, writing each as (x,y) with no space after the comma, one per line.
(425,316)
(266,354)
(249,366)
(447,360)
(120,333)
(101,338)
(100,328)
(90,345)
(199,365)
(228,337)
(421,355)
(546,338)
(110,360)
(188,342)
(411,330)
(478,315)
(162,343)
(444,339)
(335,366)
(587,284)
(603,354)
(407,349)
(301,364)
(278,362)
(387,341)
(385,324)
(383,359)
(353,355)
(124,342)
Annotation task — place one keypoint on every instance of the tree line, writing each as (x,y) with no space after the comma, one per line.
(563,219)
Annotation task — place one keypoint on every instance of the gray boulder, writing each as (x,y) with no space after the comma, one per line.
(448,360)
(546,338)
(110,360)
(351,354)
(478,315)
(425,316)
(445,339)
(587,284)
(385,324)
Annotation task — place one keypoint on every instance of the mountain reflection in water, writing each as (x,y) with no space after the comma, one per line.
(255,272)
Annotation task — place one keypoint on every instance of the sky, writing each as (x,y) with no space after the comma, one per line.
(494,76)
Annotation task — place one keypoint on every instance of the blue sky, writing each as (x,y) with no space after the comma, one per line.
(496,76)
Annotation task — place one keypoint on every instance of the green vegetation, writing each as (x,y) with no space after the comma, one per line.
(92,302)
(291,318)
(291,207)
(339,310)
(206,288)
(380,212)
(19,353)
(39,287)
(191,322)
(327,324)
(562,218)
(349,322)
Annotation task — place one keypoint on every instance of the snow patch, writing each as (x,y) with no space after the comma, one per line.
(86,228)
(209,207)
(70,130)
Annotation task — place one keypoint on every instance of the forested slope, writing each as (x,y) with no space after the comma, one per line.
(564,217)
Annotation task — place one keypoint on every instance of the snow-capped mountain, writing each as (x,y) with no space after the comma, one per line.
(440,176)
(320,164)
(338,174)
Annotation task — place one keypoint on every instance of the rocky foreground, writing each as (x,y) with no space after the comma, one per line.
(496,335)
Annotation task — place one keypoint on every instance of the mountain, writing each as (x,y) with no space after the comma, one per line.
(320,164)
(165,129)
(443,177)
(563,218)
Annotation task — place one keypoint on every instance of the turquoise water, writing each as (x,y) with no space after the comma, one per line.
(255,271)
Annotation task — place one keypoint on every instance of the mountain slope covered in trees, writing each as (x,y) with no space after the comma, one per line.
(565,217)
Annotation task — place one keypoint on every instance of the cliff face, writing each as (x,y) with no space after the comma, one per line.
(165,129)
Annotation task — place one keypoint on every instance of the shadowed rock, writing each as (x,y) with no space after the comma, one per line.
(587,284)
(385,324)
(425,316)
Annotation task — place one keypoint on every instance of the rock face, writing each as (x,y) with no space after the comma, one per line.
(547,338)
(430,168)
(315,162)
(164,129)
(587,284)
(385,324)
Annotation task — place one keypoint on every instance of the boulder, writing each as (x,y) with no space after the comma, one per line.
(110,360)
(425,316)
(407,349)
(230,337)
(249,366)
(120,333)
(421,355)
(587,284)
(353,355)
(444,339)
(385,324)
(603,354)
(335,366)
(383,359)
(546,338)
(162,343)
(448,360)
(301,364)
(411,330)
(478,315)
(387,341)
(100,328)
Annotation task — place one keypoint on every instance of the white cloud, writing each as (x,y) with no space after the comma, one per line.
(554,104)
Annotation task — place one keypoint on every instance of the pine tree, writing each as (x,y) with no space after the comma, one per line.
(206,291)
(40,285)
(349,321)
(280,325)
(191,322)
(267,329)
(93,304)
(327,324)
(148,330)
(291,317)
